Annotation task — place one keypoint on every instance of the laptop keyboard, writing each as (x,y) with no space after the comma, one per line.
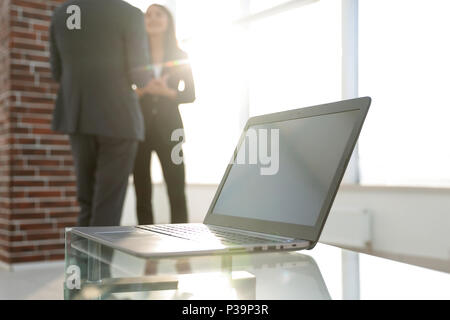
(206,233)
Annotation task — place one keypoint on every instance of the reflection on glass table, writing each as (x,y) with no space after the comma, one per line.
(94,271)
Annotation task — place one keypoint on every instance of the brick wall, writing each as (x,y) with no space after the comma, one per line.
(37,182)
(4,147)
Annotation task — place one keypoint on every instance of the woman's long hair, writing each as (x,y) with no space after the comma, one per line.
(170,38)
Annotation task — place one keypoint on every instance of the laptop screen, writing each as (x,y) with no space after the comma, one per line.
(283,170)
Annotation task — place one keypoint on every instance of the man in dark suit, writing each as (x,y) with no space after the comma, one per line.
(93,60)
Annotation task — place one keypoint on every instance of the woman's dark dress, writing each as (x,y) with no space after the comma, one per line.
(162,117)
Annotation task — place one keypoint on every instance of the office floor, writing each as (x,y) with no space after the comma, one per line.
(41,283)
(46,281)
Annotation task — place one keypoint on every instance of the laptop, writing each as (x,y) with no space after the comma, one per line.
(275,195)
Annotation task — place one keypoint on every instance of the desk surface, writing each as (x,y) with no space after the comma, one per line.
(326,272)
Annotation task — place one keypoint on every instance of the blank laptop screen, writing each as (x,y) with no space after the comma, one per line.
(284,170)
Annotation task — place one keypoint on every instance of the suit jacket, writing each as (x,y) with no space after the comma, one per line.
(94,66)
(161,114)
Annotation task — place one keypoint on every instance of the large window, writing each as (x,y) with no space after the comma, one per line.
(286,60)
(211,124)
(292,58)
(295,58)
(206,32)
(405,66)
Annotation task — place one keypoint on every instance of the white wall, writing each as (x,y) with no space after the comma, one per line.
(407,221)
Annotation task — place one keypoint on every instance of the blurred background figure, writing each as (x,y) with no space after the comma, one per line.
(172,84)
(96,105)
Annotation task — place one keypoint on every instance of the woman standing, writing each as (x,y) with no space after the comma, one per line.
(171,84)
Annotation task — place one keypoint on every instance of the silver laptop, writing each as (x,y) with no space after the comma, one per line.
(276,192)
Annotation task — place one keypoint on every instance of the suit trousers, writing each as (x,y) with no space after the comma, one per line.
(174,176)
(102,166)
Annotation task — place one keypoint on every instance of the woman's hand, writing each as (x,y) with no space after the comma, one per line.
(140,91)
(159,87)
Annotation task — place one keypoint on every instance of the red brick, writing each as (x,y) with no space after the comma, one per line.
(23,110)
(31,57)
(56,256)
(18,194)
(36,120)
(43,236)
(43,79)
(28,183)
(37,16)
(19,130)
(64,142)
(70,193)
(61,152)
(35,226)
(46,162)
(30,4)
(25,35)
(63,214)
(27,258)
(63,225)
(62,183)
(43,131)
(42,69)
(56,246)
(22,77)
(7,227)
(26,216)
(22,173)
(33,152)
(40,27)
(55,204)
(43,194)
(21,24)
(16,66)
(68,162)
(26,141)
(15,238)
(44,36)
(22,205)
(28,46)
(16,55)
(35,89)
(37,100)
(55,172)
(5,259)
(24,248)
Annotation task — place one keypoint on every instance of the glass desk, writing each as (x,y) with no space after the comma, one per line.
(94,271)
